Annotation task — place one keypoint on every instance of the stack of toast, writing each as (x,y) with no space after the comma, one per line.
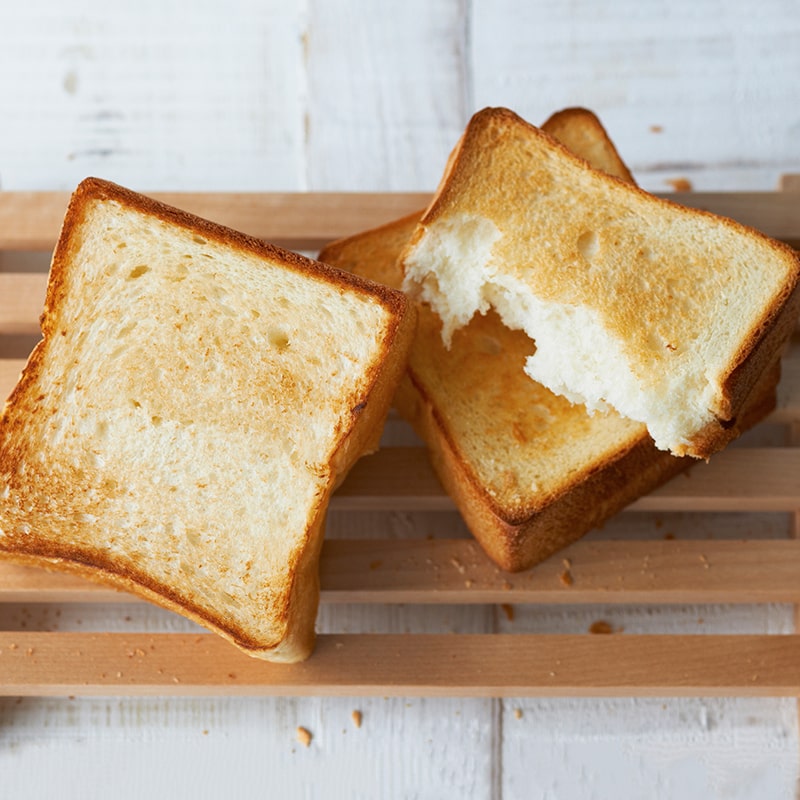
(561,340)
(530,470)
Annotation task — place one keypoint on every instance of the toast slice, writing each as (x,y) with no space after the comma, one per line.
(195,398)
(668,315)
(529,471)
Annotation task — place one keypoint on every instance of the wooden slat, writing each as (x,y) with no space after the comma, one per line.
(457,571)
(737,479)
(31,220)
(480,665)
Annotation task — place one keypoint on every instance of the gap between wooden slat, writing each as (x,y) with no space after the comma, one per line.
(31,220)
(456,571)
(477,665)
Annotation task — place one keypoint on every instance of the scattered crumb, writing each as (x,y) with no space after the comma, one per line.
(566,578)
(656,129)
(507,587)
(700,620)
(357,717)
(468,583)
(659,522)
(304,736)
(375,564)
(669,535)
(567,563)
(517,713)
(509,611)
(704,562)
(232,676)
(205,732)
(679,184)
(458,565)
(600,626)
(29,651)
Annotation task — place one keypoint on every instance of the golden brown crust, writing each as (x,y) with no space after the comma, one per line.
(517,540)
(758,345)
(581,132)
(99,189)
(359,431)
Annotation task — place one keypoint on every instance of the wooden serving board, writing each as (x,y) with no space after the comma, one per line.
(427,567)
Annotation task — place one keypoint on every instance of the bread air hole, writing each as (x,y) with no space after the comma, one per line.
(278,339)
(138,271)
(588,244)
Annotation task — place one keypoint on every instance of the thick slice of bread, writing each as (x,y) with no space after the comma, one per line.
(195,399)
(529,471)
(667,314)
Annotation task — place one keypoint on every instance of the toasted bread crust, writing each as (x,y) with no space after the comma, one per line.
(99,189)
(759,344)
(358,431)
(516,539)
(582,133)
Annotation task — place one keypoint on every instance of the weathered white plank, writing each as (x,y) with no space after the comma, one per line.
(387,92)
(633,748)
(153,94)
(687,90)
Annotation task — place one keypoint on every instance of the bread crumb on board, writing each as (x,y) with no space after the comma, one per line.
(357,716)
(508,610)
(679,184)
(517,713)
(600,626)
(304,736)
(566,576)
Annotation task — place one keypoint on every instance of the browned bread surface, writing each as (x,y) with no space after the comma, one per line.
(668,314)
(195,398)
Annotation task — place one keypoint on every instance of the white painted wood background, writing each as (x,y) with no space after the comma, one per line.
(279,95)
